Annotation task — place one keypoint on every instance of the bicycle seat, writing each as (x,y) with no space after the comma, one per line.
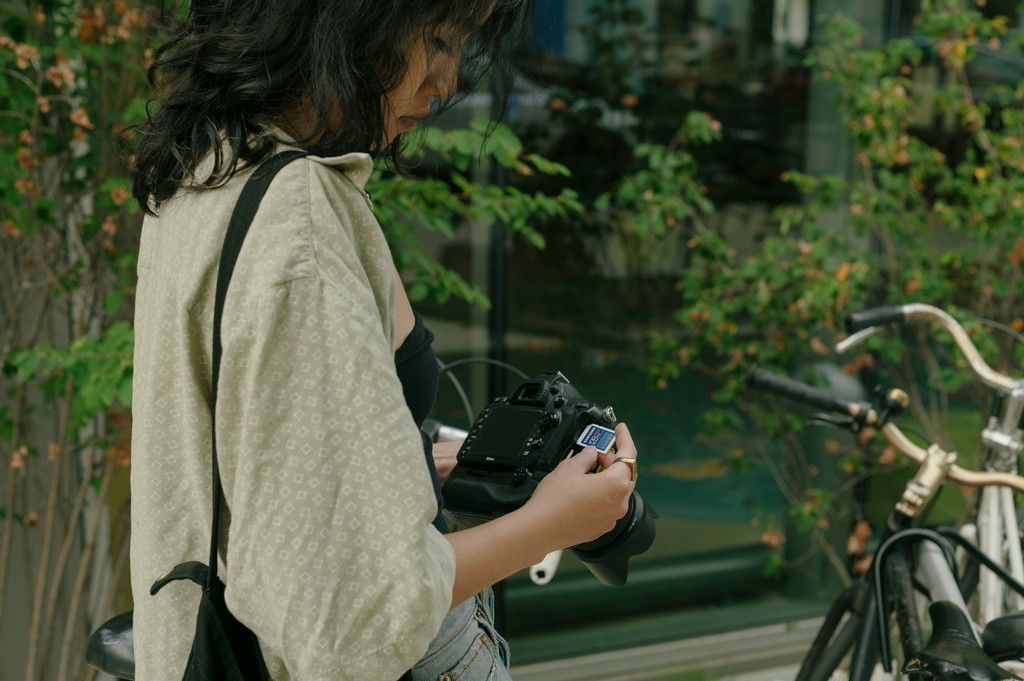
(1003,637)
(952,652)
(111,648)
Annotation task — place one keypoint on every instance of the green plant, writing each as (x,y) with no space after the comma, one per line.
(665,193)
(932,211)
(72,75)
(439,204)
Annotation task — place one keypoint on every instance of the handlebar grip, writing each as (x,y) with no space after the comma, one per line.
(876,316)
(795,390)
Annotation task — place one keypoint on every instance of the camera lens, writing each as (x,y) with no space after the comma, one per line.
(607,557)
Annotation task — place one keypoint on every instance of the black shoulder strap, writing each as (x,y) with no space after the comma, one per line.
(238,227)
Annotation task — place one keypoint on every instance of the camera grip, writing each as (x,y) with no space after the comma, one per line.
(471,502)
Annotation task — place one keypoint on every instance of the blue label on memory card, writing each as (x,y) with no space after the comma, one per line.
(602,439)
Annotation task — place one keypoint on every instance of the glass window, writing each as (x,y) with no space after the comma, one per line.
(601,77)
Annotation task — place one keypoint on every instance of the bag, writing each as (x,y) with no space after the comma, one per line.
(223,648)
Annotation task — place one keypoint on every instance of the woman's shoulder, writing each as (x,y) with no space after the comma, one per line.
(331,227)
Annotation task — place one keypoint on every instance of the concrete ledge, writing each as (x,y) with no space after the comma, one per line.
(766,653)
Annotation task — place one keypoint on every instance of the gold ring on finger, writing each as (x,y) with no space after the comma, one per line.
(629,462)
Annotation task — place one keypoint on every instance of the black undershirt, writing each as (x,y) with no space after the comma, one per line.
(417,369)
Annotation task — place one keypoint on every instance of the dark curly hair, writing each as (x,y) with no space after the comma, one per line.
(234,65)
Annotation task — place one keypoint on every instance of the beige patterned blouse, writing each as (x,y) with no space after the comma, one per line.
(330,555)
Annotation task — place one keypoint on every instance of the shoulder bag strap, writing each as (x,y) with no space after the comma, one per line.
(238,227)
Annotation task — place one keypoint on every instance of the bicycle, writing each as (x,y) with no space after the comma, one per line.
(858,619)
(997,521)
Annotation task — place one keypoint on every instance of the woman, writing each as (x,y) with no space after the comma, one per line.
(335,554)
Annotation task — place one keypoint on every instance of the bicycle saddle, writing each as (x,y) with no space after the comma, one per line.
(111,648)
(952,652)
(1003,637)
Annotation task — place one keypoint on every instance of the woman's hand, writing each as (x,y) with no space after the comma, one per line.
(571,505)
(445,457)
(577,505)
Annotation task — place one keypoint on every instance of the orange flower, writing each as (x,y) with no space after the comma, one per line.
(24,55)
(81,118)
(863,565)
(92,23)
(26,159)
(28,187)
(18,458)
(1017,254)
(119,195)
(773,538)
(61,75)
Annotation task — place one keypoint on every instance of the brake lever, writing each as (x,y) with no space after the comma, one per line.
(856,338)
(822,418)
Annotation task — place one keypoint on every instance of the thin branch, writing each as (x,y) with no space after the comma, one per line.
(12,488)
(43,569)
(99,511)
(981,134)
(15,114)
(821,539)
(70,535)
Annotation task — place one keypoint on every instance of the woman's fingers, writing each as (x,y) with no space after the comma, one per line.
(624,449)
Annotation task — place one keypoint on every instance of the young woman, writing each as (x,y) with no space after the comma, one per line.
(335,553)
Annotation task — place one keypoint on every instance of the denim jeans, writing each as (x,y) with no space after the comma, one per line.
(467,647)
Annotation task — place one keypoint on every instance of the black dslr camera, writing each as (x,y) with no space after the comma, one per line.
(519,439)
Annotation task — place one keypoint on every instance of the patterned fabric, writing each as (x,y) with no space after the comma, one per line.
(328,552)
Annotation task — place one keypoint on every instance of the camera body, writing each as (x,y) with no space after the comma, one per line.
(515,442)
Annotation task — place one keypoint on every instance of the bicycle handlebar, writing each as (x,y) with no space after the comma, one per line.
(863,413)
(866,319)
(901,443)
(876,316)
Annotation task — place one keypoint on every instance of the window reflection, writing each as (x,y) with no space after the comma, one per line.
(602,77)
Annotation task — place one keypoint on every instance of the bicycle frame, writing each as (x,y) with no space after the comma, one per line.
(997,514)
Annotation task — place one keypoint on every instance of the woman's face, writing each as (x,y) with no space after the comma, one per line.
(432,72)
